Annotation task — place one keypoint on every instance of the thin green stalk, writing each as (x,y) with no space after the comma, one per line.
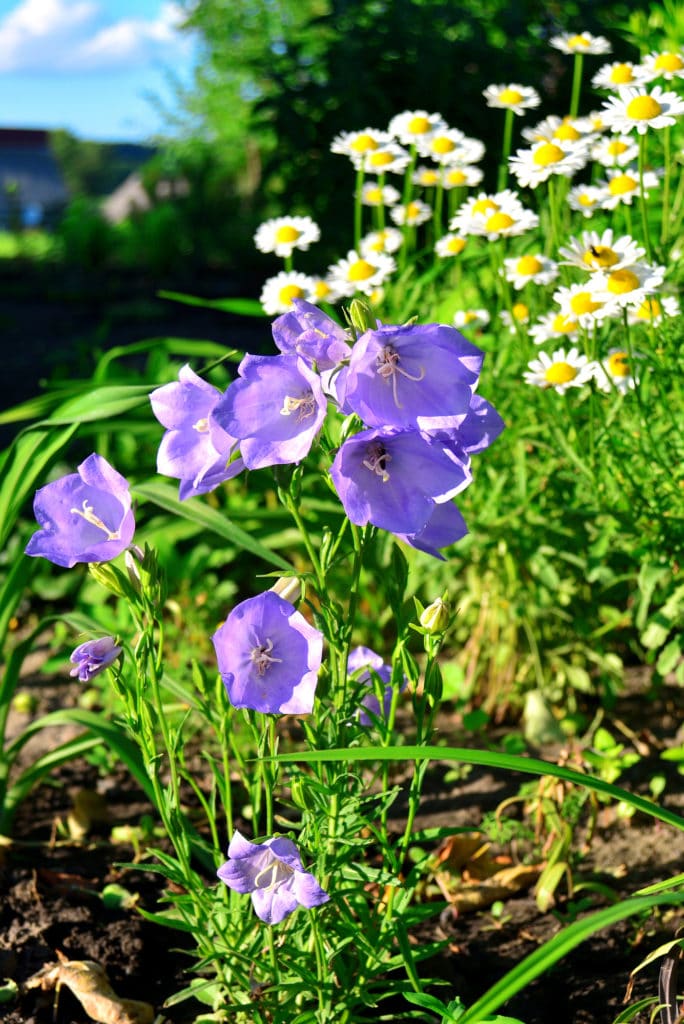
(665,224)
(642,197)
(576,83)
(358,207)
(505,149)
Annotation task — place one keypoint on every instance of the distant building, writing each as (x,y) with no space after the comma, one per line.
(32,190)
(132,197)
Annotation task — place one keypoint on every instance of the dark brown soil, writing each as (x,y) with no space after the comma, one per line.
(50,884)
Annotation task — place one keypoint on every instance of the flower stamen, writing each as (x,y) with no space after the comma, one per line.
(88,513)
(261,657)
(388,366)
(376,460)
(304,406)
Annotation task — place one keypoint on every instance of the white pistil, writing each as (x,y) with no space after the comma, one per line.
(376,460)
(388,366)
(88,513)
(275,873)
(304,406)
(261,657)
(202,426)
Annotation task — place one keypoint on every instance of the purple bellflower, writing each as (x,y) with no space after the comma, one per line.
(273,873)
(393,478)
(275,408)
(419,376)
(361,660)
(93,657)
(445,526)
(269,656)
(194,449)
(480,428)
(84,517)
(310,333)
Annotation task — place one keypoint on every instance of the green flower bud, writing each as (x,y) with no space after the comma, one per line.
(435,618)
(108,577)
(361,316)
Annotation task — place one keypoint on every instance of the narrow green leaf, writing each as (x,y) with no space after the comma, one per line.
(100,403)
(243,307)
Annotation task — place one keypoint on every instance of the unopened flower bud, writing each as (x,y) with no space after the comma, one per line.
(435,618)
(108,577)
(289,588)
(361,316)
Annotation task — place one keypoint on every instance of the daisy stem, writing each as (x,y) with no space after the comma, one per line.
(665,226)
(381,207)
(358,208)
(405,200)
(506,149)
(642,197)
(553,212)
(289,263)
(576,83)
(439,203)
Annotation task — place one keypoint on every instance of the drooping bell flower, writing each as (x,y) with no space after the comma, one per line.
(93,656)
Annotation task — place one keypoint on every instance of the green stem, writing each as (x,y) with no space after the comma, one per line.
(506,149)
(665,225)
(642,197)
(358,207)
(576,84)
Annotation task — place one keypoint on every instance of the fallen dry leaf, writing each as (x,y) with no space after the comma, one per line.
(89,983)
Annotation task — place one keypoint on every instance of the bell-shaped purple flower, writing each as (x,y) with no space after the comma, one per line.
(194,449)
(392,478)
(310,333)
(445,526)
(269,656)
(362,660)
(272,872)
(275,409)
(84,517)
(418,376)
(93,657)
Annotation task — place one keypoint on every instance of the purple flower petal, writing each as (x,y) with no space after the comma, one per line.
(93,656)
(310,333)
(445,526)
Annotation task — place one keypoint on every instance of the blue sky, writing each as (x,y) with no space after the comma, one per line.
(87,65)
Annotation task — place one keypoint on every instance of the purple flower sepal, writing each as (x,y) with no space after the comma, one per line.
(275,409)
(84,517)
(392,478)
(272,872)
(419,376)
(93,657)
(269,656)
(445,526)
(310,333)
(194,449)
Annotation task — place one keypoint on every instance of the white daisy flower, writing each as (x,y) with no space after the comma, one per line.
(387,240)
(530,269)
(471,318)
(413,213)
(353,144)
(469,151)
(554,128)
(374,194)
(560,371)
(533,166)
(495,216)
(613,372)
(640,109)
(622,186)
(359,273)
(615,150)
(441,145)
(584,42)
(461,176)
(279,291)
(616,75)
(517,98)
(580,302)
(517,316)
(450,245)
(593,252)
(390,158)
(667,65)
(628,286)
(585,199)
(553,326)
(323,291)
(412,125)
(282,235)
(427,177)
(654,310)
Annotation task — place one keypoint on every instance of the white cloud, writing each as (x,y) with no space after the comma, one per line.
(72,35)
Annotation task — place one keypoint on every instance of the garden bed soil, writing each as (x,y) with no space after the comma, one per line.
(50,884)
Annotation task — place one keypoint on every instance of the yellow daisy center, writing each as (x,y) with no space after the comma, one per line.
(469,316)
(616,147)
(567,131)
(563,325)
(668,62)
(621,74)
(584,302)
(456,177)
(443,144)
(618,364)
(548,153)
(374,195)
(520,311)
(510,97)
(484,205)
(418,126)
(456,245)
(380,159)
(560,373)
(322,290)
(621,184)
(528,265)
(643,108)
(287,233)
(648,310)
(412,211)
(622,281)
(378,243)
(600,256)
(429,178)
(290,292)
(578,42)
(586,200)
(362,143)
(361,270)
(499,222)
